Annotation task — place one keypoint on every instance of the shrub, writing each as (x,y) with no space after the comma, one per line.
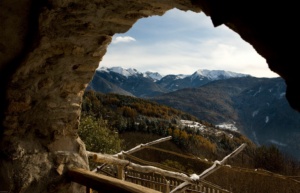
(97,136)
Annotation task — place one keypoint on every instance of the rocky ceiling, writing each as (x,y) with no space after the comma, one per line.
(49,51)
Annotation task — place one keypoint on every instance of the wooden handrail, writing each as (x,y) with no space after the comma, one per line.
(104,184)
(160,180)
(118,159)
(178,154)
(135,149)
(140,168)
(217,164)
(165,167)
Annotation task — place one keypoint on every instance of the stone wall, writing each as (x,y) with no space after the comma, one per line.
(49,51)
(58,51)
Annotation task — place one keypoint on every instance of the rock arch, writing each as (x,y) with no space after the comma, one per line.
(49,51)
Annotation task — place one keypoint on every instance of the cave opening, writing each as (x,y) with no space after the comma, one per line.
(45,93)
(182,42)
(169,45)
(178,43)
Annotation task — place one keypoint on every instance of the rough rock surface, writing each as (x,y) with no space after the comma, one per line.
(48,63)
(49,51)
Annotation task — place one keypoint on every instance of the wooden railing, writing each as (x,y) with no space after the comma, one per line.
(166,184)
(103,183)
(135,178)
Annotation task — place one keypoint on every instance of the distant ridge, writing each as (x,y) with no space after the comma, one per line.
(148,84)
(203,73)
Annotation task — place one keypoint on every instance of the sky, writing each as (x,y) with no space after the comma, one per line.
(182,42)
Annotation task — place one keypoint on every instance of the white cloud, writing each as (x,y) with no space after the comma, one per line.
(184,46)
(124,39)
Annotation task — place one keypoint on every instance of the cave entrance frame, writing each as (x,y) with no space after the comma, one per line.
(181,40)
(61,44)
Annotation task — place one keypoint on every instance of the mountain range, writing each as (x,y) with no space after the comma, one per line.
(256,107)
(134,83)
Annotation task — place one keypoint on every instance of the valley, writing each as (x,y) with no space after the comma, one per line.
(256,107)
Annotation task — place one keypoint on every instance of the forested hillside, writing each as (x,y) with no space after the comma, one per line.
(129,114)
(125,121)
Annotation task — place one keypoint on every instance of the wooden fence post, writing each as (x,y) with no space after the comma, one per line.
(121,173)
(152,179)
(167,190)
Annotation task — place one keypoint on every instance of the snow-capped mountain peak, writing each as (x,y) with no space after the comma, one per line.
(201,73)
(120,70)
(216,74)
(132,72)
(154,75)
